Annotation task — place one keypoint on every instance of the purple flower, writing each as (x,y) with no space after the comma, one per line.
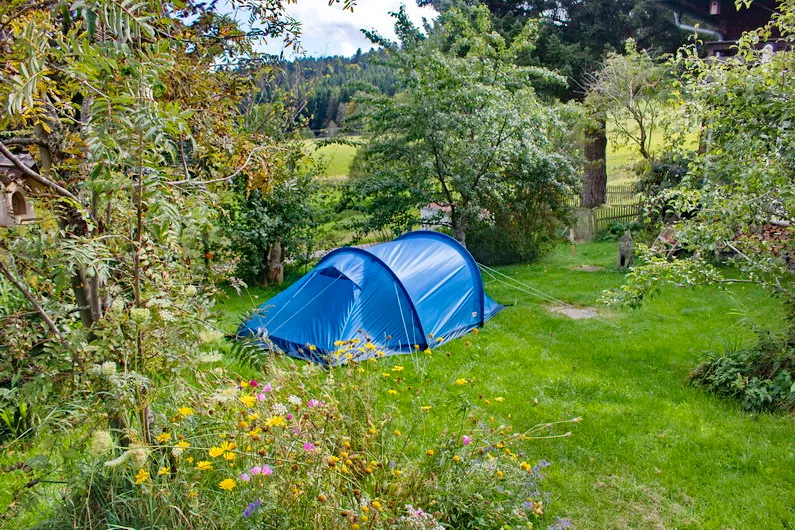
(266,470)
(261,397)
(245,477)
(256,470)
(312,403)
(466,440)
(267,388)
(289,416)
(253,383)
(308,446)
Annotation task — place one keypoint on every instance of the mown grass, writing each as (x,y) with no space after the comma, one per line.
(652,451)
(337,158)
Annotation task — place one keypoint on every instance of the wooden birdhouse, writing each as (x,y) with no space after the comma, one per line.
(15,206)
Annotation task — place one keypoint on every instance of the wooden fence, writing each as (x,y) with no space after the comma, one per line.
(623,206)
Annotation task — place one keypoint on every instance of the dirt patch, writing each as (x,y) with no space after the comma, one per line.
(588,268)
(577,313)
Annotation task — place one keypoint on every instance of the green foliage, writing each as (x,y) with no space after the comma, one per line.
(760,376)
(466,132)
(744,178)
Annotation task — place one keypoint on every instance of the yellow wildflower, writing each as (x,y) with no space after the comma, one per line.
(439,339)
(456,459)
(227,484)
(276,421)
(185,411)
(163,471)
(416,346)
(372,431)
(392,392)
(461,381)
(163,438)
(248,401)
(192,494)
(499,399)
(203,465)
(426,408)
(376,505)
(229,446)
(428,351)
(243,384)
(312,347)
(229,456)
(475,331)
(430,452)
(370,346)
(467,343)
(500,474)
(397,369)
(141,476)
(396,432)
(386,374)
(524,466)
(182,444)
(215,452)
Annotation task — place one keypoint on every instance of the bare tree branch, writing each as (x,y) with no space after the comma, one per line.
(36,305)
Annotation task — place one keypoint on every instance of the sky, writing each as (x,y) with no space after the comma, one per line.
(331,31)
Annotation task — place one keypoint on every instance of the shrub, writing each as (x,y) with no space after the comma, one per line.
(761,377)
(297,446)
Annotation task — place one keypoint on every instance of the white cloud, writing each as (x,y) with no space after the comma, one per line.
(328,30)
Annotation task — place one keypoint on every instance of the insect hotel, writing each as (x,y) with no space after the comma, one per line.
(15,206)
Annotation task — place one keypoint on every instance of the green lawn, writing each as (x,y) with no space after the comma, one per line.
(336,157)
(651,451)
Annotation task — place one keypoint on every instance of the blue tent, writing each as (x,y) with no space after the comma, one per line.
(418,291)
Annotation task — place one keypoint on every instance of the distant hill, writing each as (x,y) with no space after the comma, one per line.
(328,84)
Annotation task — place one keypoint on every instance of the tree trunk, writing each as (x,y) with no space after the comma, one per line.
(458,219)
(594,189)
(275,264)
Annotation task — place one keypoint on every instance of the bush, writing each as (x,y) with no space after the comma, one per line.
(298,447)
(760,377)
(616,230)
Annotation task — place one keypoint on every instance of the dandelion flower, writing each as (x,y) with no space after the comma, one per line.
(396,432)
(227,484)
(428,351)
(397,369)
(248,401)
(426,408)
(204,465)
(430,452)
(456,459)
(215,452)
(163,471)
(163,438)
(467,343)
(391,392)
(439,339)
(185,411)
(461,381)
(475,331)
(386,374)
(182,444)
(142,476)
(229,456)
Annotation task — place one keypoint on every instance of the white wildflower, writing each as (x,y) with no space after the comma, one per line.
(279,409)
(295,400)
(101,443)
(209,336)
(107,369)
(190,291)
(209,357)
